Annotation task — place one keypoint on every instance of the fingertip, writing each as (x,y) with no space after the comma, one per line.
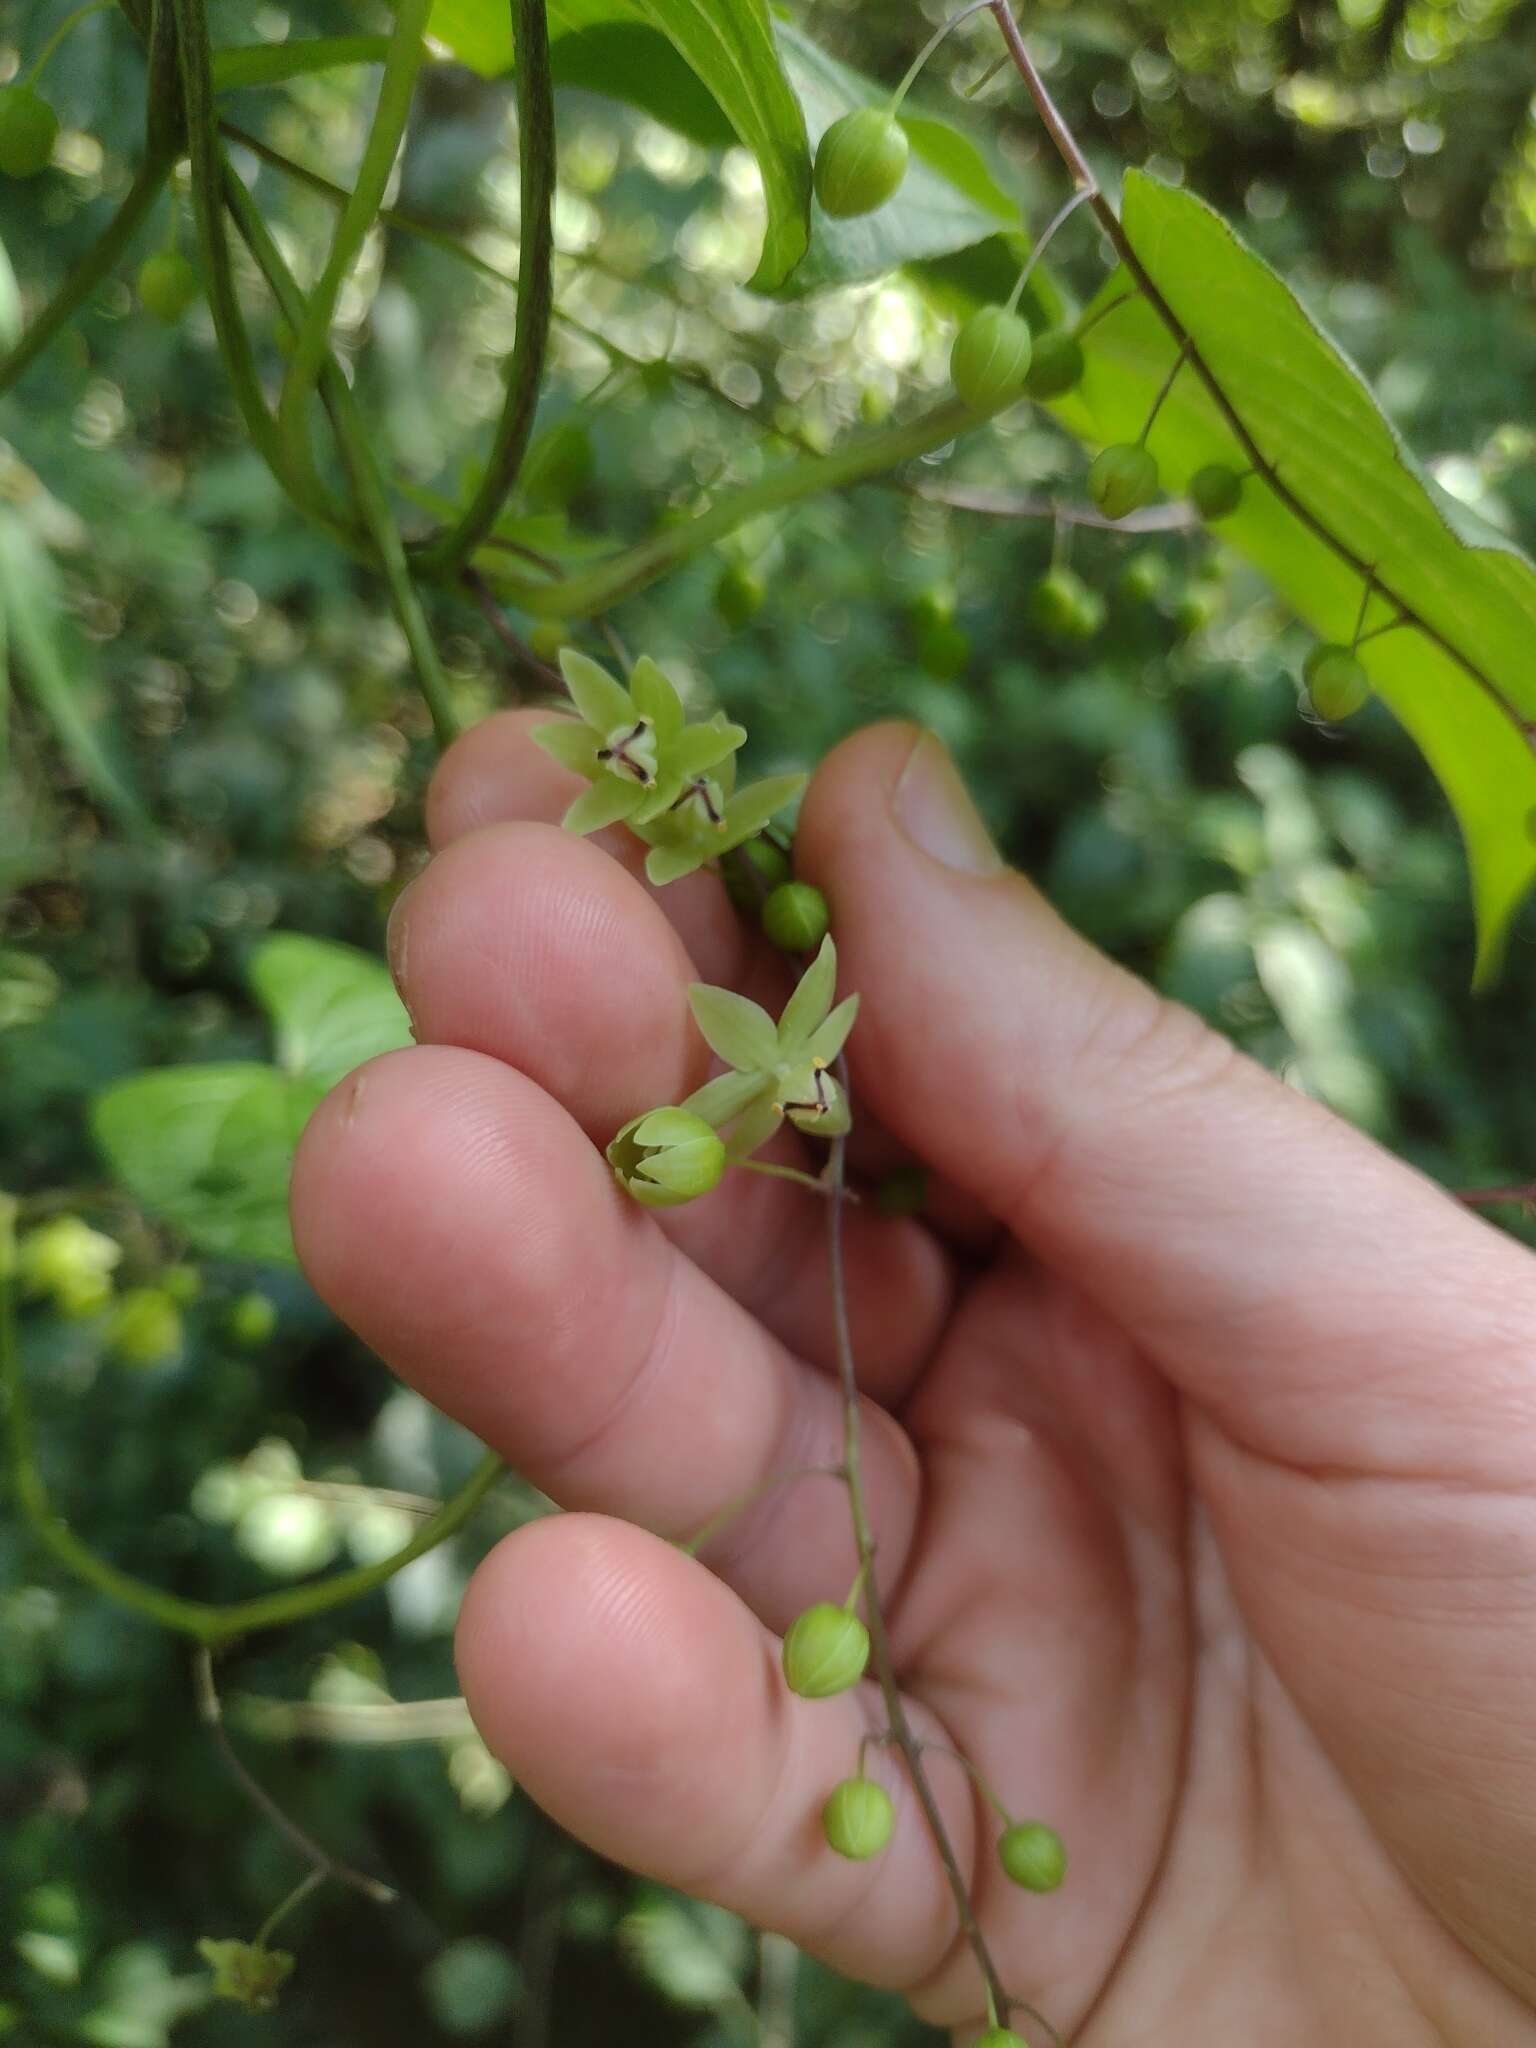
(494,773)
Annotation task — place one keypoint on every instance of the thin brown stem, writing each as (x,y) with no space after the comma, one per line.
(1521,1195)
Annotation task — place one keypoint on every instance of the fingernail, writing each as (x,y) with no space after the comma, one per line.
(396,937)
(931,806)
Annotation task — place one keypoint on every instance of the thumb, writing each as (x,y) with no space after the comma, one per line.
(1322,1302)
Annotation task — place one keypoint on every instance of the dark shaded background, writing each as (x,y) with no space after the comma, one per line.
(1305,889)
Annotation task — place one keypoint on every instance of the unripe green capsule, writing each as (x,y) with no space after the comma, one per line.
(145,1327)
(1336,681)
(28,130)
(666,1157)
(769,862)
(739,595)
(944,651)
(860,162)
(1057,366)
(1001,2037)
(1122,479)
(825,1652)
(989,363)
(858,1819)
(796,917)
(182,1283)
(1063,607)
(933,605)
(1033,1855)
(168,285)
(1216,491)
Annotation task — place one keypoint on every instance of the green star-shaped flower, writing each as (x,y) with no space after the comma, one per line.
(246,1972)
(671,783)
(777,1070)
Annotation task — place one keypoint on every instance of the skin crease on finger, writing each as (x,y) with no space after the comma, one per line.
(1068,1614)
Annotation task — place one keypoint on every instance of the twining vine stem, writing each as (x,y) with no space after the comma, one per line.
(1071,154)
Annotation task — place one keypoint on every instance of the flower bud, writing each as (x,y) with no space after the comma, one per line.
(145,1328)
(1032,1855)
(1062,607)
(825,1651)
(251,1321)
(739,595)
(796,917)
(1122,479)
(666,1157)
(1336,682)
(860,162)
(990,359)
(1057,366)
(858,1818)
(28,130)
(168,285)
(1216,491)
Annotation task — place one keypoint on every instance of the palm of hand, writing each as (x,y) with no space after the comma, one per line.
(1202,1504)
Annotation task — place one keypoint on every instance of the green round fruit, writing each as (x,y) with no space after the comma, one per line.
(1122,479)
(28,130)
(549,639)
(1336,682)
(796,917)
(860,162)
(1063,607)
(989,363)
(770,860)
(182,1283)
(168,285)
(1216,491)
(858,1819)
(1144,577)
(667,1157)
(1001,2037)
(933,605)
(1033,1855)
(559,465)
(739,595)
(1197,608)
(825,1652)
(1057,367)
(944,652)
(68,1260)
(145,1327)
(251,1321)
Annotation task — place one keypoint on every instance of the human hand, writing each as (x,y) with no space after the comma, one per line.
(1200,1437)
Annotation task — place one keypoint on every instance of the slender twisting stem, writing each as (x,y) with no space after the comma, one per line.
(945,28)
(1058,221)
(1070,152)
(402,63)
(93,269)
(535,293)
(324,1864)
(65,28)
(284,1907)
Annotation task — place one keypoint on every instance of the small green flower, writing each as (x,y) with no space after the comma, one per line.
(777,1070)
(71,1262)
(246,1972)
(672,783)
(666,1157)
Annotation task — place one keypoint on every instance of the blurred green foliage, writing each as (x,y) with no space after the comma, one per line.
(1303,888)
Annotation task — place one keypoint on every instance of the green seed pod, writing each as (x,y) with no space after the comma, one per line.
(796,918)
(145,1328)
(1057,367)
(739,595)
(944,651)
(1144,577)
(1123,478)
(68,1260)
(1001,2037)
(858,1819)
(1062,607)
(1197,608)
(168,285)
(989,363)
(251,1321)
(1216,491)
(933,605)
(904,1192)
(1033,1855)
(666,1157)
(825,1651)
(769,863)
(860,162)
(28,130)
(1336,682)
